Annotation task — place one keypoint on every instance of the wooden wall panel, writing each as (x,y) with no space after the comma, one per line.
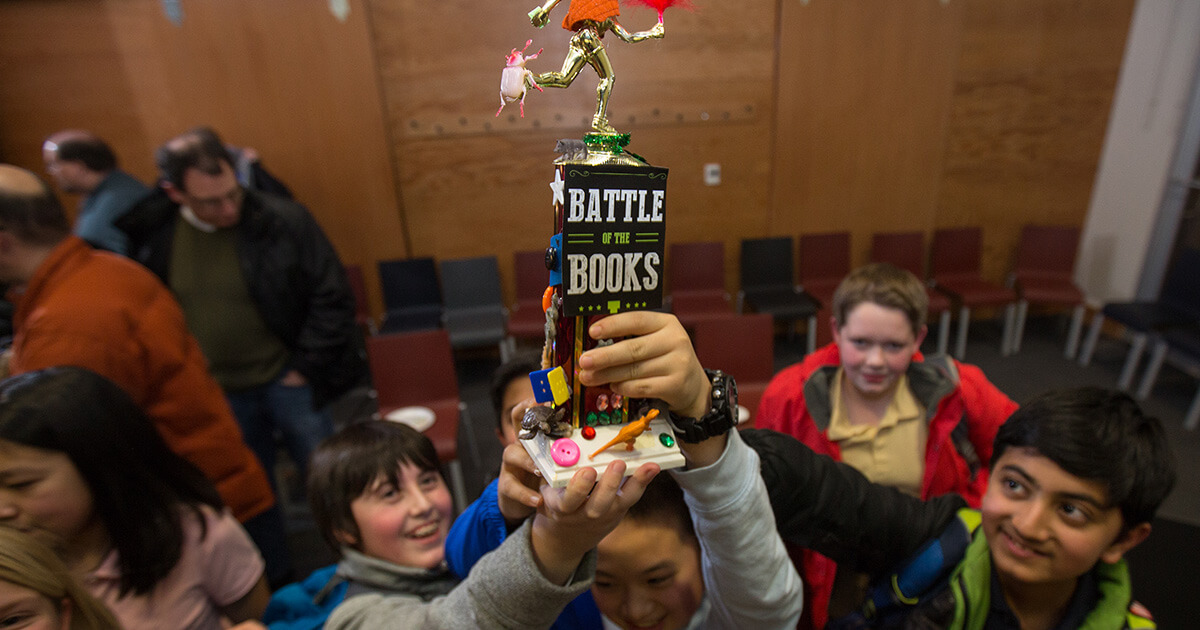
(825,115)
(1032,95)
(60,68)
(864,95)
(284,77)
(475,184)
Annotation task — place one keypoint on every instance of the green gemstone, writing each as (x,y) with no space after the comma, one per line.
(667,439)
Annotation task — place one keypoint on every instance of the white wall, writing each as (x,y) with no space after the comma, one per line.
(1153,93)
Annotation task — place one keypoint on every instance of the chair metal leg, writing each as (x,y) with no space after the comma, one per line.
(964,320)
(1018,329)
(1014,344)
(464,424)
(943,332)
(457,486)
(812,333)
(1136,346)
(1089,344)
(1193,415)
(1074,331)
(1151,374)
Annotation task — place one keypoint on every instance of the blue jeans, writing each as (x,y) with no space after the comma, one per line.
(261,411)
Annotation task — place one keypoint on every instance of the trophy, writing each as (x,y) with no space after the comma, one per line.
(605,257)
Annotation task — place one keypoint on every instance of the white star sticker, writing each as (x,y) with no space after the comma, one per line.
(557,187)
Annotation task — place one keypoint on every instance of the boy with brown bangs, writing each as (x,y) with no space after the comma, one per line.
(921,424)
(379,499)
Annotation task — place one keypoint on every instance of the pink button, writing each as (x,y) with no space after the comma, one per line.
(564,452)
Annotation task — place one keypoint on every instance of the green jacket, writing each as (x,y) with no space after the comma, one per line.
(930,560)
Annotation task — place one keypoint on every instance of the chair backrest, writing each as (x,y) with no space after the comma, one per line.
(412,368)
(905,250)
(1047,250)
(742,345)
(956,252)
(696,266)
(767,262)
(470,282)
(532,276)
(824,257)
(1181,287)
(358,286)
(409,282)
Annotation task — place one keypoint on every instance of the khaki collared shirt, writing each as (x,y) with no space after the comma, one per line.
(892,452)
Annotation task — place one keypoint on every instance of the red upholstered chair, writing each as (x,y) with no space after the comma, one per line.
(954,269)
(1043,273)
(906,250)
(824,262)
(743,346)
(362,314)
(696,278)
(526,320)
(417,368)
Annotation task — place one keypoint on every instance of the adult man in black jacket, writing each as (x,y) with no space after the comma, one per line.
(262,288)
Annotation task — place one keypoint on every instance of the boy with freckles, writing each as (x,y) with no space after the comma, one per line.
(921,424)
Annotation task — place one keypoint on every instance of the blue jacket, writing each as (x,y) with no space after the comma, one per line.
(305,605)
(480,529)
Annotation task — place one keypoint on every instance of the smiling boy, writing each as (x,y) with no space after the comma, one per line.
(1077,476)
(923,425)
(1076,479)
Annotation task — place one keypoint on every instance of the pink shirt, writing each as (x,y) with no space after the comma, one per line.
(215,571)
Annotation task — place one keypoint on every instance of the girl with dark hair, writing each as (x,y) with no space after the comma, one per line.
(83,470)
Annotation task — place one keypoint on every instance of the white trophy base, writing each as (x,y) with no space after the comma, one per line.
(647,448)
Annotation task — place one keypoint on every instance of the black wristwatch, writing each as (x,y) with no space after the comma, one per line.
(721,416)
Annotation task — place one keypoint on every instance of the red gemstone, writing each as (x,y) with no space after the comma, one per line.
(589,433)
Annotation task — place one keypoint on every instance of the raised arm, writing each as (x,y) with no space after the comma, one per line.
(539,16)
(748,577)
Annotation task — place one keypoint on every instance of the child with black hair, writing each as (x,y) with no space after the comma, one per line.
(704,555)
(378,497)
(1076,477)
(83,470)
(509,387)
(647,569)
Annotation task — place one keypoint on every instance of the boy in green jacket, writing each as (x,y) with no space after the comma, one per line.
(1076,478)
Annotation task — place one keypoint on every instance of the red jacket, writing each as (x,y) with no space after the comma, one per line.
(797,403)
(108,314)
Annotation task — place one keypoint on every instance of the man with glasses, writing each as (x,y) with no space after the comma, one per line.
(262,289)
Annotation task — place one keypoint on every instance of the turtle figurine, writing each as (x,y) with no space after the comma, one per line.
(544,420)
